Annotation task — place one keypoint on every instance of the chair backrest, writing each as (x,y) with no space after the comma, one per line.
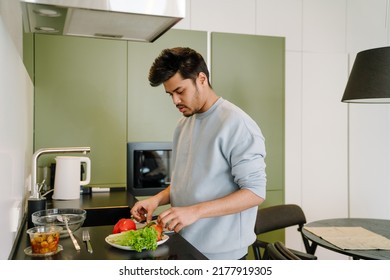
(275,218)
(278,217)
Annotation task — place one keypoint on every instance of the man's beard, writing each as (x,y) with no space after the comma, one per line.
(195,111)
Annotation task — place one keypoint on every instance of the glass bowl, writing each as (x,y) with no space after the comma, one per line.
(44,239)
(76,218)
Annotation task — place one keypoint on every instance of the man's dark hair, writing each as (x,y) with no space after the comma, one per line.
(186,61)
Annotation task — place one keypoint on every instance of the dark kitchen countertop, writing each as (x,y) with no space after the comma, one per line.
(103,211)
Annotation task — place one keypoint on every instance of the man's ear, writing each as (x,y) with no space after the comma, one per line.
(202,78)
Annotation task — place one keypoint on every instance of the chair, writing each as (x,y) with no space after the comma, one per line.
(278,251)
(278,217)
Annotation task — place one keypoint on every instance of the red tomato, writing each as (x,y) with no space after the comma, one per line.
(116,227)
(124,225)
(159,230)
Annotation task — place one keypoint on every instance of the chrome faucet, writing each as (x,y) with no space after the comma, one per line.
(34,186)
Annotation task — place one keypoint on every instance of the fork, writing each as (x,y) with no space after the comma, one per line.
(87,238)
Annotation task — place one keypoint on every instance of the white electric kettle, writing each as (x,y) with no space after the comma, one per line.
(67,180)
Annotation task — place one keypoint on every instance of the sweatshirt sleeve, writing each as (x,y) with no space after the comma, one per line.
(247,158)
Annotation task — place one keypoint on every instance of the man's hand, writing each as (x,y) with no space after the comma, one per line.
(143,210)
(176,218)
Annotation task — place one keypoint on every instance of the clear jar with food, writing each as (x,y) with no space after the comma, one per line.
(44,239)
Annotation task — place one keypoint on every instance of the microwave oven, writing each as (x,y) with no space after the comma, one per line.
(148,167)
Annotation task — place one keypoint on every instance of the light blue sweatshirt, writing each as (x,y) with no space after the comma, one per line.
(214,154)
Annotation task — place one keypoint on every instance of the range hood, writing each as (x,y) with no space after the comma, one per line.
(132,20)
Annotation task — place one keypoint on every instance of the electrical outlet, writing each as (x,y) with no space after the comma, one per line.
(16,214)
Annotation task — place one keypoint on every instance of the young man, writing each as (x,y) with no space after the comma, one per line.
(218,175)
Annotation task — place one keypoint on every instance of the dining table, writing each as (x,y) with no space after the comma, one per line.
(379,227)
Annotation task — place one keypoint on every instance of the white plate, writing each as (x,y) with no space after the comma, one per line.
(129,248)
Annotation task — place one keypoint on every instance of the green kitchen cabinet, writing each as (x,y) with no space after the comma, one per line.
(95,92)
(248,70)
(80,100)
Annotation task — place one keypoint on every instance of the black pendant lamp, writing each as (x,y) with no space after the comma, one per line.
(369,81)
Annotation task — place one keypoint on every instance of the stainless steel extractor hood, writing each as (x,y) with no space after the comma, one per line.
(132,20)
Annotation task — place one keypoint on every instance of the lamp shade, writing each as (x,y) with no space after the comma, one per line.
(369,81)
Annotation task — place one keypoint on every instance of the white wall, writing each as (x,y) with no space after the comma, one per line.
(16,106)
(369,125)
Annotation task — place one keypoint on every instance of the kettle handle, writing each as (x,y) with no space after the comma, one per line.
(88,170)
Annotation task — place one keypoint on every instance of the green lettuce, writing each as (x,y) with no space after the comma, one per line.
(144,238)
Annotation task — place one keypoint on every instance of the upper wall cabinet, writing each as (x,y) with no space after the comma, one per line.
(80,100)
(152,115)
(248,70)
(94,92)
